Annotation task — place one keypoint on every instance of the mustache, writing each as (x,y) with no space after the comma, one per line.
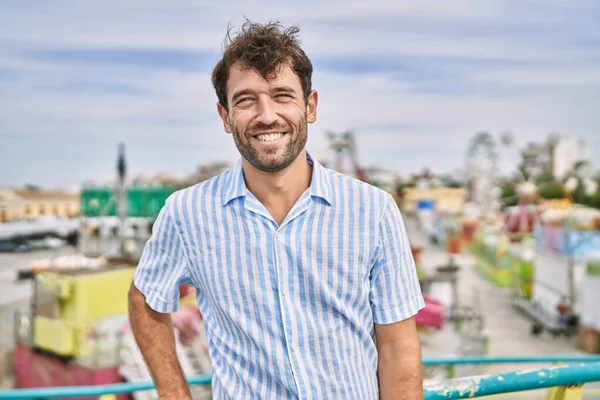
(260,127)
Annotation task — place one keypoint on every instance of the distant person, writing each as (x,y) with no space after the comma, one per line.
(297,268)
(563,310)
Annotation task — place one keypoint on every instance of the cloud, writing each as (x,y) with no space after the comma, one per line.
(415,80)
(181,60)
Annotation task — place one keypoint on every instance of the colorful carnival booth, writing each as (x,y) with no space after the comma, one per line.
(568,244)
(504,263)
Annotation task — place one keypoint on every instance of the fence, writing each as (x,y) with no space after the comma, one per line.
(567,380)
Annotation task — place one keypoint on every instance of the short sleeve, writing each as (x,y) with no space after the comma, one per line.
(395,288)
(163,265)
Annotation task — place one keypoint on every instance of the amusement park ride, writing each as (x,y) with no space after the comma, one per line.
(344,144)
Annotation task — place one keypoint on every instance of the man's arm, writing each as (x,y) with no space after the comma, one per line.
(395,299)
(154,295)
(153,332)
(400,368)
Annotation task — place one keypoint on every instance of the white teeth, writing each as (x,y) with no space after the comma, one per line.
(269,137)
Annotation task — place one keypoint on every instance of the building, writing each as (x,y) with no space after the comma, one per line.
(569,152)
(26,204)
(385,178)
(445,199)
(558,154)
(207,171)
(537,157)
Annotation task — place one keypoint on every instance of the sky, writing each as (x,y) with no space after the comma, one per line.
(415,80)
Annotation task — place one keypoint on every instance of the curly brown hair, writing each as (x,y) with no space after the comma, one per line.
(264,48)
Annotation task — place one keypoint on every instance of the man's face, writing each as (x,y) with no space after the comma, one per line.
(268,119)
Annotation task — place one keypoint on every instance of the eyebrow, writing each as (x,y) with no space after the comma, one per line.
(278,89)
(285,89)
(240,93)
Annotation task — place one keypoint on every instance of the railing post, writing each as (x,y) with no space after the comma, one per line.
(554,392)
(457,322)
(574,392)
(566,393)
(451,371)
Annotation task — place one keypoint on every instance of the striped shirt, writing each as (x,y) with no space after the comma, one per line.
(288,309)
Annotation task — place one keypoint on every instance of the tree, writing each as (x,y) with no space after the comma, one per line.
(32,187)
(544,177)
(593,200)
(551,190)
(548,186)
(508,195)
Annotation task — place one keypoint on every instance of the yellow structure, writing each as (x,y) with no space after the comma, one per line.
(557,204)
(72,303)
(451,200)
(22,204)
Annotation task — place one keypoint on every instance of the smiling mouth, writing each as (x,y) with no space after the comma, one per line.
(269,137)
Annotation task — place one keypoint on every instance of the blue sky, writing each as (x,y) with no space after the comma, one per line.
(414,79)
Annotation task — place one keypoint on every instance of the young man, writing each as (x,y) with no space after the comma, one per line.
(304,276)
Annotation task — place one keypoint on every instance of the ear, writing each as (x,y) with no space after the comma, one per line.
(311,106)
(224,114)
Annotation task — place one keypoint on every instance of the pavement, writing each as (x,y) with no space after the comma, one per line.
(507,329)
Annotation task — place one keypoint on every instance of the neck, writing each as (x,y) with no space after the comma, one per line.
(282,188)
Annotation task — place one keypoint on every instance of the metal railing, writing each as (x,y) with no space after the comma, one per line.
(452,362)
(566,379)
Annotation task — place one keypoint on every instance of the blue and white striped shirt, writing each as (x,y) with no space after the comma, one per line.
(288,309)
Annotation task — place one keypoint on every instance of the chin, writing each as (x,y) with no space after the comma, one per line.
(272,165)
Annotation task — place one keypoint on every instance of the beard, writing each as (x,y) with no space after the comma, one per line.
(272,159)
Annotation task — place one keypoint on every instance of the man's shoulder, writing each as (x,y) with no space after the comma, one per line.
(208,190)
(367,192)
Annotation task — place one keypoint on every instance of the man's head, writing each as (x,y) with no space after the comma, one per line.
(263,83)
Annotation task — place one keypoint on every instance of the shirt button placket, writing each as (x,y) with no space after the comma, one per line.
(288,331)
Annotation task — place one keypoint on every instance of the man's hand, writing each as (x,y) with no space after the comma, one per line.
(400,369)
(153,332)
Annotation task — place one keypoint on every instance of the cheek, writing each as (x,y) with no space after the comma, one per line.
(236,123)
(290,116)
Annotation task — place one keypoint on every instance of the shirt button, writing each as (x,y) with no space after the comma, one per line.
(285,293)
(294,349)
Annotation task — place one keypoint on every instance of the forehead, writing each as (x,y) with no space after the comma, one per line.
(249,79)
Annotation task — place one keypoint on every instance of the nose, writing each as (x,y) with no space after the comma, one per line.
(266,112)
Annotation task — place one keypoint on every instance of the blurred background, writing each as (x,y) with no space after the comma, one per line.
(480,117)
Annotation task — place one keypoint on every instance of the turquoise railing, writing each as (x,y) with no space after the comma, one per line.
(551,359)
(451,362)
(583,370)
(517,381)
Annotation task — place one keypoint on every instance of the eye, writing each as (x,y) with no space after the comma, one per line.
(284,95)
(243,100)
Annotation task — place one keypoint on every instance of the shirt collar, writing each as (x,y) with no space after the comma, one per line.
(320,185)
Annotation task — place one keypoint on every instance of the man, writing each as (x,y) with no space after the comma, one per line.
(304,276)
